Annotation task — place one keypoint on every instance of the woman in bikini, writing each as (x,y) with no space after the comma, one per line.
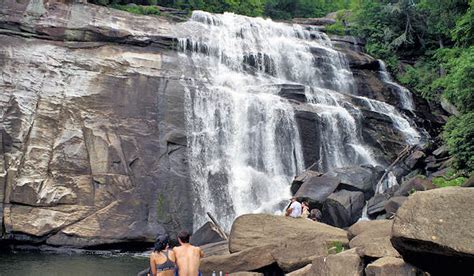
(162,260)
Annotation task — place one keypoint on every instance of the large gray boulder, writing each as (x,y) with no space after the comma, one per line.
(358,178)
(343,208)
(433,230)
(208,233)
(316,189)
(306,176)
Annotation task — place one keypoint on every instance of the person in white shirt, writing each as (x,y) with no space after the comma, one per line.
(294,210)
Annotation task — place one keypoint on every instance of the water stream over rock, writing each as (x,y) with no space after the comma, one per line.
(244,142)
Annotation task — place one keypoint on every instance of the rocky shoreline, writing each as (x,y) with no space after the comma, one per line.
(424,238)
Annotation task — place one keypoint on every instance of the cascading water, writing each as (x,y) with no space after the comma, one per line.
(406,99)
(243,139)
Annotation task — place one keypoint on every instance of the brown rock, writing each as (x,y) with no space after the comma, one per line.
(345,263)
(469,182)
(365,225)
(433,230)
(256,230)
(297,240)
(246,260)
(305,271)
(393,204)
(217,248)
(390,266)
(374,239)
(417,183)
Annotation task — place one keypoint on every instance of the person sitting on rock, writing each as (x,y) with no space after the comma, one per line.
(188,257)
(305,209)
(162,260)
(315,215)
(294,210)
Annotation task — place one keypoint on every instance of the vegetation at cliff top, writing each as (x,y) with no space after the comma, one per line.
(427,45)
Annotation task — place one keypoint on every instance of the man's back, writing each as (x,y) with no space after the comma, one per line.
(296,209)
(188,258)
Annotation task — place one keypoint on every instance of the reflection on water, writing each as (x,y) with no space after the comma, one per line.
(47,264)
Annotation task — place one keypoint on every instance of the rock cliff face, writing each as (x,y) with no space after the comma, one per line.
(93,139)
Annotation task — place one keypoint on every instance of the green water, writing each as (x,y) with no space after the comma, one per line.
(52,264)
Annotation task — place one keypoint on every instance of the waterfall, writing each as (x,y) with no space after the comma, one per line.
(405,97)
(244,144)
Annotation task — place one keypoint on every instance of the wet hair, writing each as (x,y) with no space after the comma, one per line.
(315,215)
(184,236)
(161,242)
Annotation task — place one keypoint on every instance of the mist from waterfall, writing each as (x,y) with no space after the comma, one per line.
(243,139)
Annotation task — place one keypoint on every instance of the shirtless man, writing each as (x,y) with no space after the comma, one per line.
(188,257)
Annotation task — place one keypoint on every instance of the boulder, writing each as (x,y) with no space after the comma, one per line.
(293,92)
(217,248)
(417,183)
(373,238)
(365,225)
(358,178)
(441,152)
(316,189)
(414,159)
(306,176)
(469,182)
(343,208)
(295,238)
(375,205)
(208,233)
(391,266)
(346,263)
(433,230)
(393,204)
(245,260)
(305,271)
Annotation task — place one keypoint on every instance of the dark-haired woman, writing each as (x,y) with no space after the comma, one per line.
(162,260)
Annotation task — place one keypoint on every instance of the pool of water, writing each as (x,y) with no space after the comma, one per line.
(70,263)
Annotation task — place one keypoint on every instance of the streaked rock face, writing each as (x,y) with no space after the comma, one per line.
(93,139)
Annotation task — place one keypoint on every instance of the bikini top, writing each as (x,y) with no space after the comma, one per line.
(167,265)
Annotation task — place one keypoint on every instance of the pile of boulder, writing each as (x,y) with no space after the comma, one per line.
(431,233)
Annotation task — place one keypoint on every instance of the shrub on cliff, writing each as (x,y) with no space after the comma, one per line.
(459,136)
